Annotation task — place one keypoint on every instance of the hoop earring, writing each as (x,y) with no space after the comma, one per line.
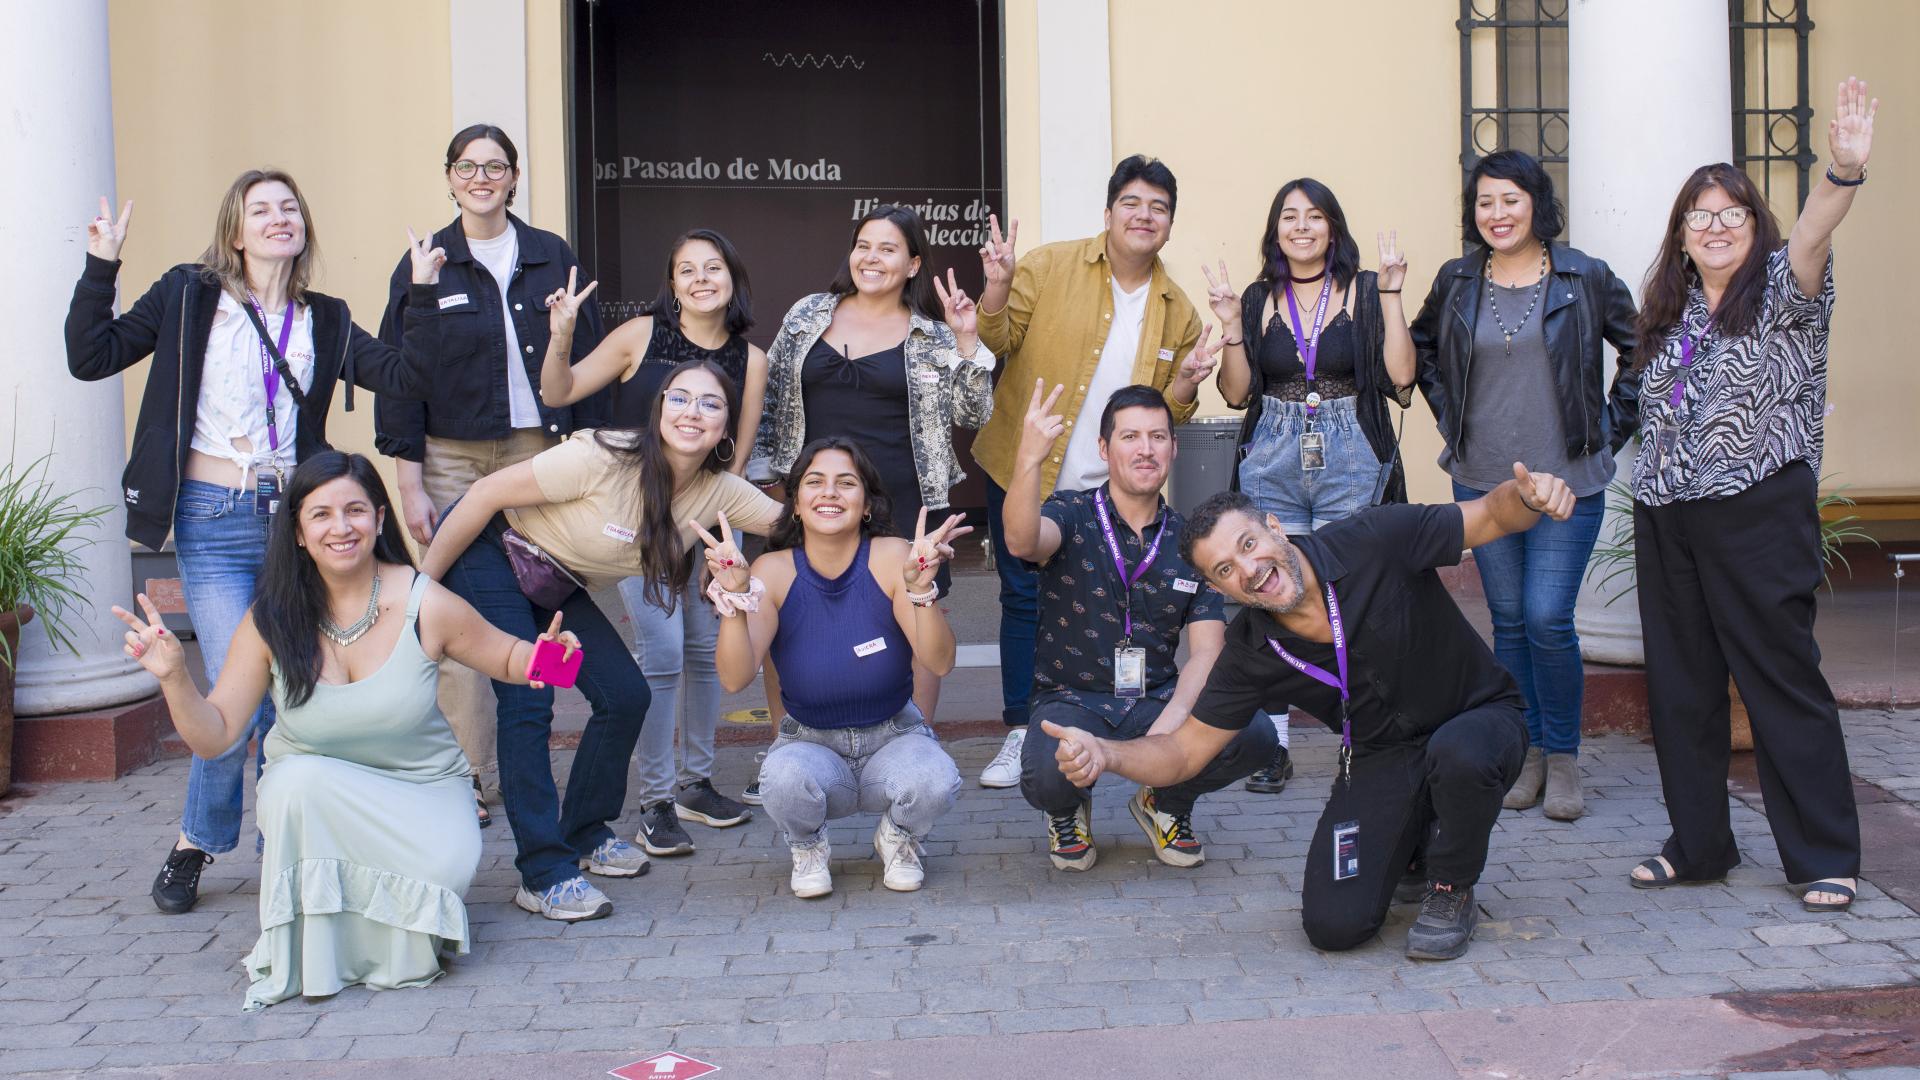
(868,516)
(728,456)
(676,305)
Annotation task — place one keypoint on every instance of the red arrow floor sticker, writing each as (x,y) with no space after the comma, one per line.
(667,1066)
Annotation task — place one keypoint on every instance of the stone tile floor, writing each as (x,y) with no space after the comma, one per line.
(711,950)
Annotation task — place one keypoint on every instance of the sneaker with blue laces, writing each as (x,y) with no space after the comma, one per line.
(615,858)
(573,900)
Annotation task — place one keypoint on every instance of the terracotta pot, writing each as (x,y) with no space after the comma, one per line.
(10,624)
(1742,729)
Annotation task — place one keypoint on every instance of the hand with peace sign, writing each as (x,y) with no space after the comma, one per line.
(565,638)
(1544,493)
(1393,261)
(724,560)
(563,305)
(1200,362)
(961,313)
(996,258)
(427,260)
(1221,298)
(1041,428)
(149,643)
(930,549)
(105,234)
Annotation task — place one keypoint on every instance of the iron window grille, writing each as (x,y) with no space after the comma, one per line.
(1772,121)
(1520,46)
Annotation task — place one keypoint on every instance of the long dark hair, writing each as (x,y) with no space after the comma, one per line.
(878,520)
(291,599)
(1527,174)
(1343,255)
(664,566)
(739,317)
(1672,276)
(918,293)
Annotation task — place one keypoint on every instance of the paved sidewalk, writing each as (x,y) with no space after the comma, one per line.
(710,955)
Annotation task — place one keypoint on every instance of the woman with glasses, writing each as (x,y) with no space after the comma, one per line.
(530,540)
(888,357)
(482,414)
(1726,531)
(703,309)
(1512,357)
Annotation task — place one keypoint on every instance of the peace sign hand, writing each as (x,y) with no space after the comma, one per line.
(961,312)
(148,641)
(1221,297)
(1042,426)
(105,234)
(996,258)
(427,260)
(1393,261)
(563,305)
(929,550)
(1200,362)
(724,560)
(1850,132)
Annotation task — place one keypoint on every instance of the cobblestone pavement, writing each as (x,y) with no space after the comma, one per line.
(711,951)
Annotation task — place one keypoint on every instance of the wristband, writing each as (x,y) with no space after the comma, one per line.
(1837,182)
(729,603)
(1388,292)
(925,599)
(1224,341)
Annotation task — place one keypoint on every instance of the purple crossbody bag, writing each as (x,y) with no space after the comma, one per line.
(542,579)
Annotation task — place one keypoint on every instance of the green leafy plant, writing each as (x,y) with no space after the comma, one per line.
(1613,555)
(42,532)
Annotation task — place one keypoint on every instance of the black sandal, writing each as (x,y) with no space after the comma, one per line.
(1662,879)
(480,799)
(1826,885)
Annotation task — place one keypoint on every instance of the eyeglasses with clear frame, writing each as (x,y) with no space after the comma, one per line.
(1731,217)
(495,170)
(711,405)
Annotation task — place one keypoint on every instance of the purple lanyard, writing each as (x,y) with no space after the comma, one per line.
(1688,343)
(269,375)
(1127,581)
(1321,675)
(1309,345)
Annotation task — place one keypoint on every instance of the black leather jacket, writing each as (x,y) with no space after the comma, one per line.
(1586,305)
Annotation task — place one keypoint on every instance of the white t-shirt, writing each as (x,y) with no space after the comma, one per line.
(233,392)
(1081,467)
(500,255)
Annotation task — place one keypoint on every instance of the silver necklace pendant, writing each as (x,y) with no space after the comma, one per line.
(348,635)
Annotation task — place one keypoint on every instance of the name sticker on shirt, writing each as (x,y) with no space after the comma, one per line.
(615,532)
(928,376)
(1181,584)
(1166,355)
(452,301)
(868,648)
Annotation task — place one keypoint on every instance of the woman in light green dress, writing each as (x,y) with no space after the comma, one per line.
(371,840)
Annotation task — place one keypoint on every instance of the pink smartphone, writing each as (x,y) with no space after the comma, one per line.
(547,667)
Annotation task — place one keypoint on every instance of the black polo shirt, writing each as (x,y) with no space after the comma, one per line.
(1081,617)
(1413,660)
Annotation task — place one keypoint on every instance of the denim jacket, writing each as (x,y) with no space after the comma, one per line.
(945,391)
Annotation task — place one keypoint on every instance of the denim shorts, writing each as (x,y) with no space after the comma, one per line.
(1304,500)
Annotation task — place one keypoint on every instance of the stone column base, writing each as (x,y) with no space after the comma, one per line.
(105,744)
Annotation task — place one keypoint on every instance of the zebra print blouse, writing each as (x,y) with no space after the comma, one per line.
(1750,406)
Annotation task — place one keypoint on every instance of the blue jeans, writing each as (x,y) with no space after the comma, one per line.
(553,836)
(1531,580)
(675,653)
(1019,615)
(1304,500)
(220,543)
(895,767)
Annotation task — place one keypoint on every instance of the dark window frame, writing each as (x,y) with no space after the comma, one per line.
(1755,31)
(1486,129)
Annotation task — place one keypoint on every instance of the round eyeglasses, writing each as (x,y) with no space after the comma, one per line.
(495,170)
(1731,217)
(710,404)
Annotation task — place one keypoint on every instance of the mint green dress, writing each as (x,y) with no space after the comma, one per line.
(371,838)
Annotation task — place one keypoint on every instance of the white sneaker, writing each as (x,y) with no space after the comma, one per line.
(573,900)
(811,877)
(1004,770)
(900,855)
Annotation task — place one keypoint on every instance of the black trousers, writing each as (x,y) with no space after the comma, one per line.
(1450,786)
(1048,790)
(1728,585)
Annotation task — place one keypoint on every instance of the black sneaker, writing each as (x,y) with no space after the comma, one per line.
(699,802)
(751,793)
(1272,780)
(660,831)
(177,888)
(1445,926)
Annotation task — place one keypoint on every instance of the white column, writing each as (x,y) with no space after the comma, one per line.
(1076,119)
(1649,102)
(488,65)
(58,146)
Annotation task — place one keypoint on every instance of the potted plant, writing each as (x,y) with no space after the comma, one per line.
(42,531)
(1613,557)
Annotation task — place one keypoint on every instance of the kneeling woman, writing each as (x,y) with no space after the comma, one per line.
(847,612)
(371,839)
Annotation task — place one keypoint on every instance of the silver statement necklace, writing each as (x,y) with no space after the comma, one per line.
(344,636)
(1494,303)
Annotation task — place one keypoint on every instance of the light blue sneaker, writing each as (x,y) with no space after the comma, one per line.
(615,858)
(573,900)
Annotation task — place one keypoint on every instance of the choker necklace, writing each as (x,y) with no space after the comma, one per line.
(1307,280)
(348,635)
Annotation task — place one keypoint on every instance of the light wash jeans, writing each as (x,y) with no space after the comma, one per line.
(675,653)
(219,543)
(896,767)
(1271,475)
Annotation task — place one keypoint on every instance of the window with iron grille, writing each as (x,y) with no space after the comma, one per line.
(1513,82)
(1772,121)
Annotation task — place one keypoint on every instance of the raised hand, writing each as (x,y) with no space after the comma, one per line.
(961,313)
(148,641)
(565,638)
(1393,261)
(1221,298)
(996,258)
(724,560)
(930,549)
(1042,425)
(1200,362)
(563,305)
(1081,756)
(105,234)
(427,260)
(1544,493)
(1850,132)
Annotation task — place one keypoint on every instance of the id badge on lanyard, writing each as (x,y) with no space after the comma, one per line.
(1313,444)
(1666,427)
(1129,660)
(1129,671)
(267,488)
